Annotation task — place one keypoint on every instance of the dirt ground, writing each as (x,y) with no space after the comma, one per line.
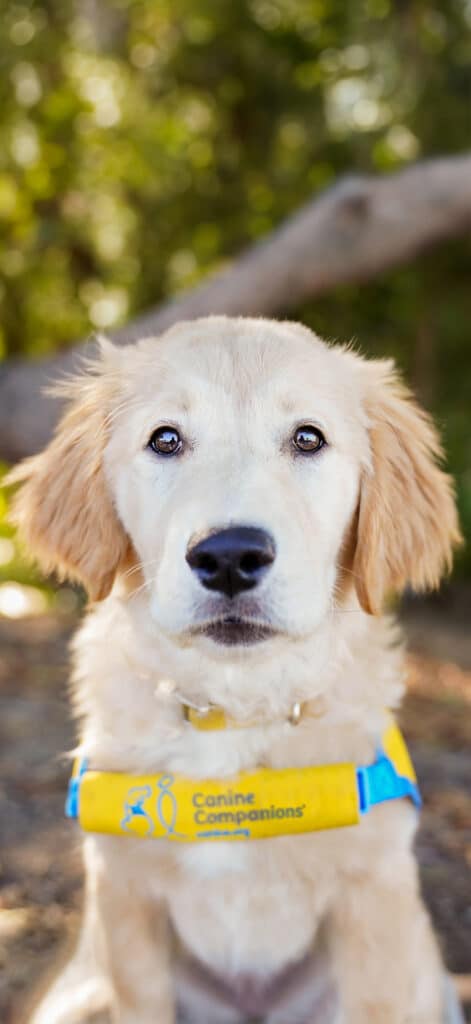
(40,872)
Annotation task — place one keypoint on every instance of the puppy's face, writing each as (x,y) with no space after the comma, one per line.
(253,474)
(235,467)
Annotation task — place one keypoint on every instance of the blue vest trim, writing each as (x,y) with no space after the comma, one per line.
(379,782)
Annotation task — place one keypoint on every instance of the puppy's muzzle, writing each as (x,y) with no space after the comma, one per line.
(232,560)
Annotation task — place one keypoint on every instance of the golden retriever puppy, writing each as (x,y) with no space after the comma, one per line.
(238,498)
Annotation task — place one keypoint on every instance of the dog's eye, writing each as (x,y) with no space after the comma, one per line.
(308,439)
(165,441)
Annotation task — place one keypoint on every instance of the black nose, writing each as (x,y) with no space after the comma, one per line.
(232,560)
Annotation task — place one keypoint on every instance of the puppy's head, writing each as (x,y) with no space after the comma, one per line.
(253,474)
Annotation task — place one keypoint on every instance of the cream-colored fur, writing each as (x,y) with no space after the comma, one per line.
(367,514)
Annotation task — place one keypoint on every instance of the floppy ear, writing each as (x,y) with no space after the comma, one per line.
(63,509)
(407,520)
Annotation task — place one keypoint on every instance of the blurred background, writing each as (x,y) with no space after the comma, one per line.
(143,145)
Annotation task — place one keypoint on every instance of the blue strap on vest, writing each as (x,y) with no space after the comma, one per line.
(73,792)
(379,782)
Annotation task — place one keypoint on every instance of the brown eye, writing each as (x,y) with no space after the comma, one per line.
(165,441)
(307,439)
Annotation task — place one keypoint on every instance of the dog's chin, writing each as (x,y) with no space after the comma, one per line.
(232,631)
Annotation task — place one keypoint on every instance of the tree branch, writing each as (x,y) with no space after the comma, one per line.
(350,233)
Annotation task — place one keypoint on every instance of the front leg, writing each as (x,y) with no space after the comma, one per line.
(385,955)
(136,939)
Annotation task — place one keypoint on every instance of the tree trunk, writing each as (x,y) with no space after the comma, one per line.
(351,233)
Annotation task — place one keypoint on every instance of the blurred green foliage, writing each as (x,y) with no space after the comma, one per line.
(14,565)
(143,143)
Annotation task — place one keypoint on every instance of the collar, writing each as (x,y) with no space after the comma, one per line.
(252,805)
(211,718)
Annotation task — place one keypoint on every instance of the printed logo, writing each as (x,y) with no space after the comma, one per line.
(240,809)
(134,814)
(167,806)
(213,815)
(137,821)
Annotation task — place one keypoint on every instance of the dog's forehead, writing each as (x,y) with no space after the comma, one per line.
(241,359)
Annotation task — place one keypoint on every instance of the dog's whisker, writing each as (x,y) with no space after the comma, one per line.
(347,611)
(349,571)
(143,586)
(141,566)
(126,406)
